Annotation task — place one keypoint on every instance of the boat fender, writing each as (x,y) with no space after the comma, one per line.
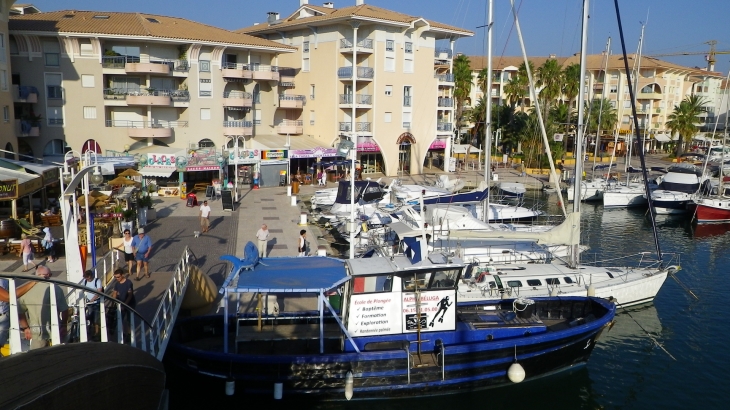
(230,387)
(349,382)
(591,290)
(516,373)
(278,391)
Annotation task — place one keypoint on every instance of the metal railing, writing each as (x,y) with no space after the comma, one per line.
(238,124)
(294,123)
(362,72)
(122,93)
(259,67)
(446,102)
(444,126)
(146,124)
(359,99)
(238,94)
(25,90)
(55,121)
(365,43)
(406,124)
(121,62)
(439,51)
(447,78)
(235,66)
(359,126)
(288,97)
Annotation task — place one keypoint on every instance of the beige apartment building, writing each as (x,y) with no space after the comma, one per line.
(379,78)
(142,84)
(661,86)
(8,139)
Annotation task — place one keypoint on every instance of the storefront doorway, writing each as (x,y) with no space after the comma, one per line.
(404,142)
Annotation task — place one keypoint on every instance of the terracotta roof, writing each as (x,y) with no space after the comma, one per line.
(364,11)
(477,63)
(134,25)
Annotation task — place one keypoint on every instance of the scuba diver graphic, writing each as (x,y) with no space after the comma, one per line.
(443,307)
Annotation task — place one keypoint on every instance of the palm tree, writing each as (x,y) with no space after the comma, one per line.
(684,119)
(483,82)
(571,86)
(462,85)
(518,87)
(550,78)
(605,111)
(476,116)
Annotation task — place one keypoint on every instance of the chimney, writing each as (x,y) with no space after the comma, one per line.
(303,2)
(359,2)
(553,56)
(272,16)
(329,5)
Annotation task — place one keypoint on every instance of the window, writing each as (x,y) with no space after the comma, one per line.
(406,120)
(13,46)
(613,89)
(205,113)
(408,47)
(533,282)
(421,280)
(204,66)
(311,92)
(87,80)
(52,53)
(206,88)
(53,86)
(130,53)
(568,279)
(6,113)
(408,65)
(514,283)
(151,20)
(85,47)
(2,47)
(257,117)
(305,64)
(389,64)
(311,118)
(4,80)
(89,113)
(388,90)
(389,45)
(388,117)
(305,47)
(552,281)
(55,147)
(407,96)
(55,116)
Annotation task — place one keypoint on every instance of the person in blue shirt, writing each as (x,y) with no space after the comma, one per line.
(142,246)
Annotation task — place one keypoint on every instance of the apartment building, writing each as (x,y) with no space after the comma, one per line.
(8,140)
(379,78)
(661,86)
(139,83)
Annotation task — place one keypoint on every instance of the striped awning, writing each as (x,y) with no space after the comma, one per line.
(155,171)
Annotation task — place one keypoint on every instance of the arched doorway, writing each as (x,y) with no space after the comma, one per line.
(25,152)
(9,151)
(91,145)
(55,147)
(404,142)
(206,143)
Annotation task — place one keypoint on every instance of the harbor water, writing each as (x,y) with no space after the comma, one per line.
(627,369)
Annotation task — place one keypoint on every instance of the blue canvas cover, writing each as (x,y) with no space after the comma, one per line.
(310,274)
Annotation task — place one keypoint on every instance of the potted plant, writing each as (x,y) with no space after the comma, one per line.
(146,205)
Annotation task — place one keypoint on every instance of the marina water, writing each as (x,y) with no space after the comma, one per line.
(626,370)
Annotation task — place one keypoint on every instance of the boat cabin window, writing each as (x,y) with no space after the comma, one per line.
(436,279)
(371,284)
(533,282)
(514,283)
(444,279)
(492,285)
(552,281)
(567,279)
(421,279)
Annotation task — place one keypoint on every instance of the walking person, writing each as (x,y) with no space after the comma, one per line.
(204,217)
(37,305)
(126,247)
(26,246)
(124,291)
(302,248)
(92,301)
(5,309)
(263,236)
(142,246)
(48,245)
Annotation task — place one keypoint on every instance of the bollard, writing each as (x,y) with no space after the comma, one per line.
(293,200)
(321,250)
(303,218)
(288,190)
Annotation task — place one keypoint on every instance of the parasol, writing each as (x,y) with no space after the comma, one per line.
(93,202)
(121,181)
(129,172)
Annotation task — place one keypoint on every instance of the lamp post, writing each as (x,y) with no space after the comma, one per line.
(237,159)
(347,147)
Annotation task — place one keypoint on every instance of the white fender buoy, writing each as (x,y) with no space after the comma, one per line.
(516,373)
(303,219)
(278,391)
(293,200)
(591,290)
(553,292)
(349,381)
(230,387)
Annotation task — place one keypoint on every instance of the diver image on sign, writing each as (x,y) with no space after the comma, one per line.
(412,322)
(443,307)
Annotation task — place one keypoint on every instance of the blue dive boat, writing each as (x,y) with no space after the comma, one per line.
(377,328)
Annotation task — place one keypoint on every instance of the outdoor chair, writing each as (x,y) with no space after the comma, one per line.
(26,227)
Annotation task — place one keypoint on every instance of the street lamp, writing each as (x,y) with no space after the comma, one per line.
(237,145)
(344,148)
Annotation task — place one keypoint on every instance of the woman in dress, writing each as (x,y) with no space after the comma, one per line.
(26,247)
(48,245)
(126,247)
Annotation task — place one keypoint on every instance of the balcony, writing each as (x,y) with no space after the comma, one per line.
(650,96)
(237,99)
(149,96)
(290,127)
(361,101)
(443,53)
(235,70)
(234,128)
(658,111)
(363,46)
(286,77)
(27,128)
(25,94)
(407,101)
(359,127)
(407,125)
(363,73)
(446,102)
(135,65)
(265,72)
(445,78)
(147,129)
(292,101)
(444,127)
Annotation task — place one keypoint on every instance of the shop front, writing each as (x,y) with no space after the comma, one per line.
(49,174)
(436,154)
(368,153)
(274,169)
(205,166)
(16,194)
(243,167)
(305,163)
(160,172)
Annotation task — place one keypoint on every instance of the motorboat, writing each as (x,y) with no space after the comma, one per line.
(677,188)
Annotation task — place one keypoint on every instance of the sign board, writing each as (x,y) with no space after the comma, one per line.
(9,189)
(558,137)
(209,192)
(274,154)
(227,199)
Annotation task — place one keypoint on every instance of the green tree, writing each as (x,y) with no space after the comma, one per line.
(571,83)
(550,79)
(684,119)
(483,82)
(462,85)
(518,87)
(603,110)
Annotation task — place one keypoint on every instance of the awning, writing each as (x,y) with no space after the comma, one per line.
(50,173)
(438,144)
(17,184)
(269,142)
(461,149)
(154,171)
(662,137)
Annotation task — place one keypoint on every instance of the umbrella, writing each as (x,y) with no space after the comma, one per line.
(129,172)
(121,181)
(93,202)
(99,195)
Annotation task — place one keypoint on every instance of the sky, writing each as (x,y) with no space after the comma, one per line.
(548,26)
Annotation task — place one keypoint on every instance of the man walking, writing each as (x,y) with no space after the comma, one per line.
(302,248)
(263,236)
(204,216)
(37,305)
(142,246)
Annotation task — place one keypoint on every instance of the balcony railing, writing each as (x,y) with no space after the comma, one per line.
(287,97)
(406,124)
(203,93)
(407,101)
(238,124)
(235,66)
(146,124)
(122,93)
(440,52)
(444,126)
(25,93)
(658,111)
(55,121)
(359,126)
(446,78)
(359,99)
(238,94)
(362,72)
(365,43)
(291,123)
(121,62)
(265,68)
(446,102)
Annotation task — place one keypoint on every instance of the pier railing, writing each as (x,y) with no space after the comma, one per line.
(76,320)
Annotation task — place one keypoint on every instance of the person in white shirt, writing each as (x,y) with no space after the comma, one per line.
(204,216)
(302,248)
(263,236)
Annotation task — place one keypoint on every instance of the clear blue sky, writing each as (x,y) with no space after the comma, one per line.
(549,26)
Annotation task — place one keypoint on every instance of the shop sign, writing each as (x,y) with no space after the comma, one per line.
(318,152)
(245,156)
(203,168)
(274,154)
(161,159)
(9,189)
(51,175)
(108,215)
(30,186)
(438,144)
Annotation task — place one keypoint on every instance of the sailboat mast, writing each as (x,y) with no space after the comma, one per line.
(488,114)
(600,109)
(575,242)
